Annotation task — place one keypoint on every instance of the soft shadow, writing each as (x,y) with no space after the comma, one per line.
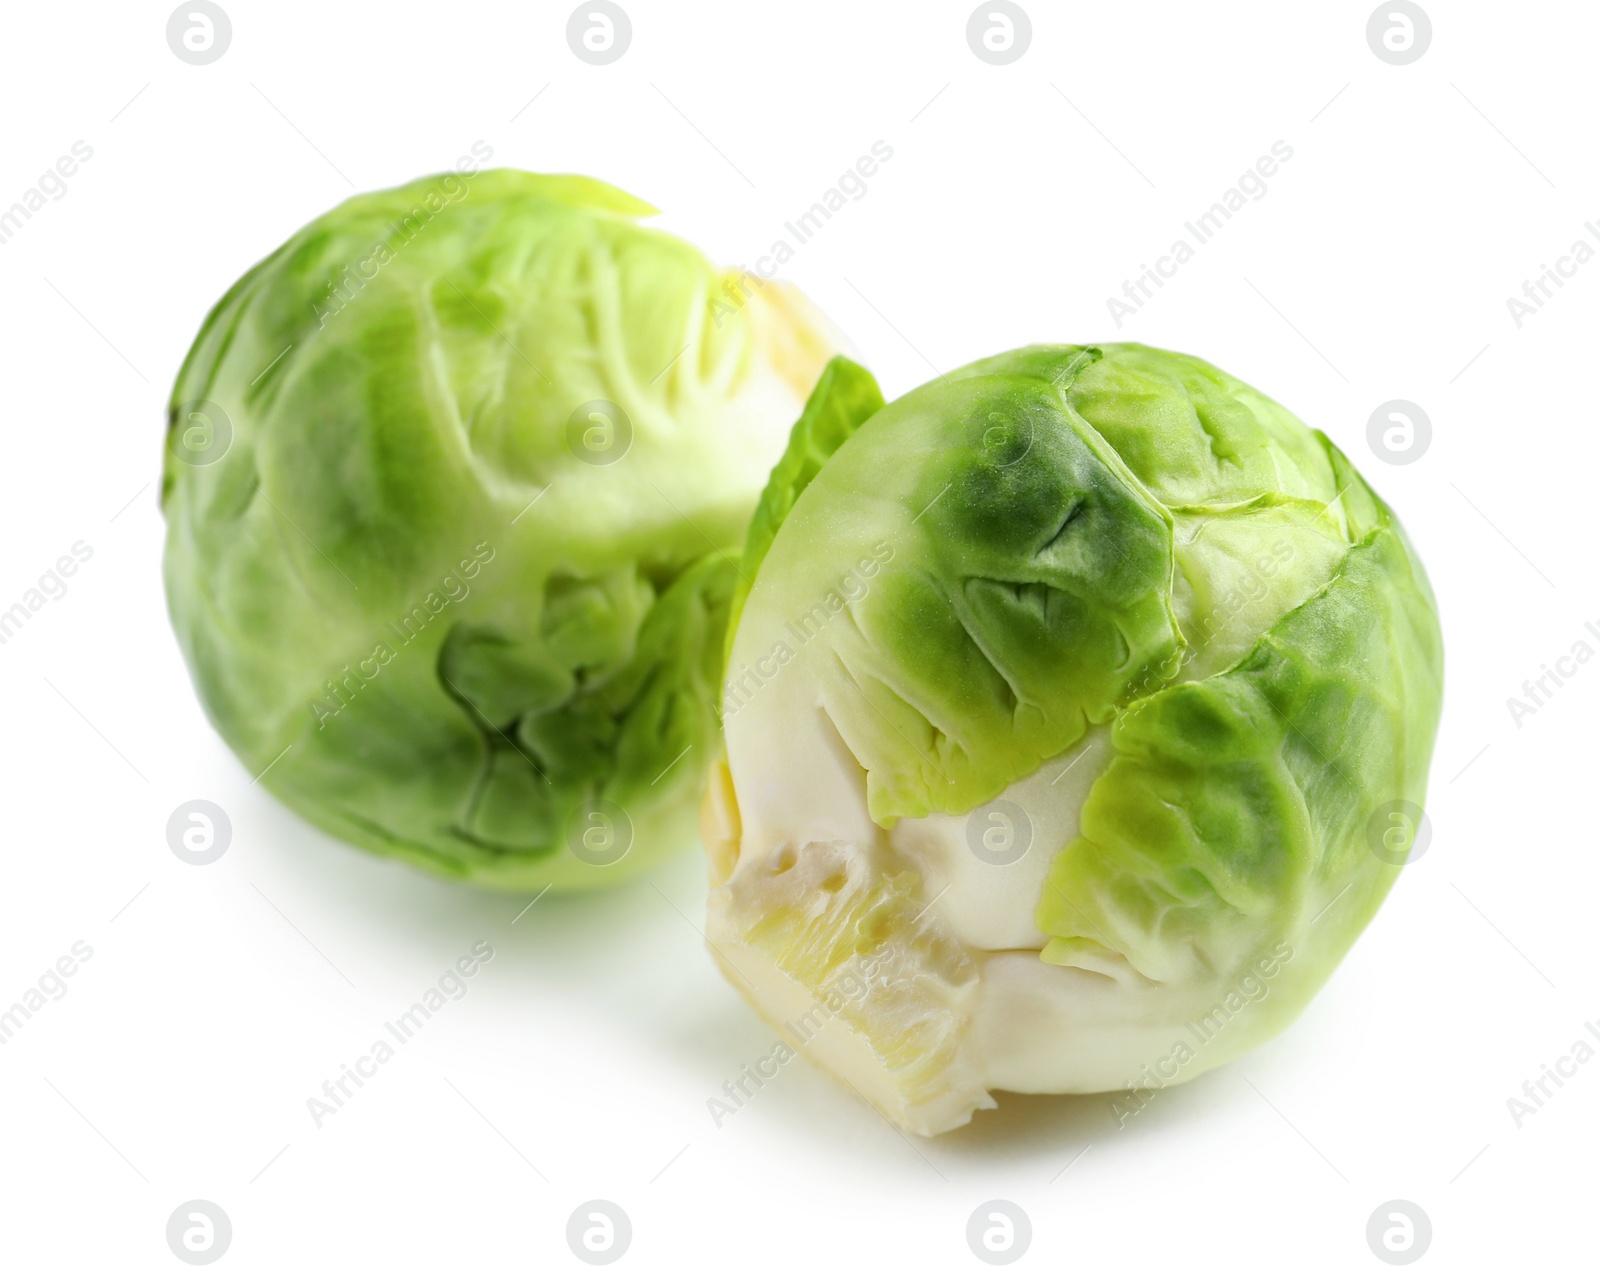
(383,906)
(1062,1125)
(1024,1125)
(633,956)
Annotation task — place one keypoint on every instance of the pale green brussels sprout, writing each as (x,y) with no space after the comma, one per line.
(1077,720)
(455,486)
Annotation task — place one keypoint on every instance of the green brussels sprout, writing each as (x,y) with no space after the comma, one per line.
(1077,720)
(455,484)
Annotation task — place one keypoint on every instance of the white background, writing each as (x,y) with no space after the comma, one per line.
(219,998)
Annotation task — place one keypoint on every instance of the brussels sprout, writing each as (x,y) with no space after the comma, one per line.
(455,484)
(1076,721)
